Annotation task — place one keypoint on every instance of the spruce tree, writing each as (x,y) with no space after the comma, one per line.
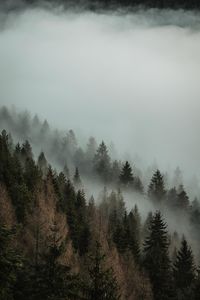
(102,282)
(156,189)
(82,227)
(156,259)
(102,162)
(126,176)
(184,272)
(53,280)
(10,263)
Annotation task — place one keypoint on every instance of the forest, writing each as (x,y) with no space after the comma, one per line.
(99,150)
(60,241)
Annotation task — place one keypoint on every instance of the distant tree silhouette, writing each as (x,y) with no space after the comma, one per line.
(156,189)
(126,176)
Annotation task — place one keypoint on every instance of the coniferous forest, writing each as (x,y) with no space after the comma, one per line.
(56,243)
(80,216)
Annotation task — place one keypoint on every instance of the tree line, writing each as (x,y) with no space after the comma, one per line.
(144,245)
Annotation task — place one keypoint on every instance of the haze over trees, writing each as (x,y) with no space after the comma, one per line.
(73,236)
(79,220)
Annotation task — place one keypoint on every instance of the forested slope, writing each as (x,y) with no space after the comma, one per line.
(58,244)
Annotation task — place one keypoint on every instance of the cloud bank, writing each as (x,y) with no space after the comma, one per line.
(130,78)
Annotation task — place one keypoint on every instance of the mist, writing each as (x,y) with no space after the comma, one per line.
(128,78)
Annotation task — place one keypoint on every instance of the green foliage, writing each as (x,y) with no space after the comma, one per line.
(48,279)
(19,183)
(156,259)
(156,189)
(10,263)
(184,272)
(77,218)
(126,176)
(102,282)
(102,162)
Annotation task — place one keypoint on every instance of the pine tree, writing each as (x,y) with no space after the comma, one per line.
(53,280)
(156,259)
(26,151)
(134,234)
(10,263)
(102,282)
(32,174)
(156,189)
(184,271)
(91,149)
(136,223)
(126,176)
(102,163)
(82,228)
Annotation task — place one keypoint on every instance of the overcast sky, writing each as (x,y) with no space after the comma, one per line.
(133,79)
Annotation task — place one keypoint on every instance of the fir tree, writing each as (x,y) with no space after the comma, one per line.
(26,151)
(102,162)
(10,263)
(126,176)
(156,189)
(53,280)
(184,272)
(156,259)
(102,282)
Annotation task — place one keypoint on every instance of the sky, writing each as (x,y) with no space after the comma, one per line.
(133,79)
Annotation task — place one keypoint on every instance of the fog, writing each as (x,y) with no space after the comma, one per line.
(130,78)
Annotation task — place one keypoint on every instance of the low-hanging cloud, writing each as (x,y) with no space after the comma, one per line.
(131,78)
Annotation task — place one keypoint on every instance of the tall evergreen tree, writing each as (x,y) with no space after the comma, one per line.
(126,176)
(184,272)
(10,263)
(156,259)
(53,280)
(102,162)
(156,189)
(102,282)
